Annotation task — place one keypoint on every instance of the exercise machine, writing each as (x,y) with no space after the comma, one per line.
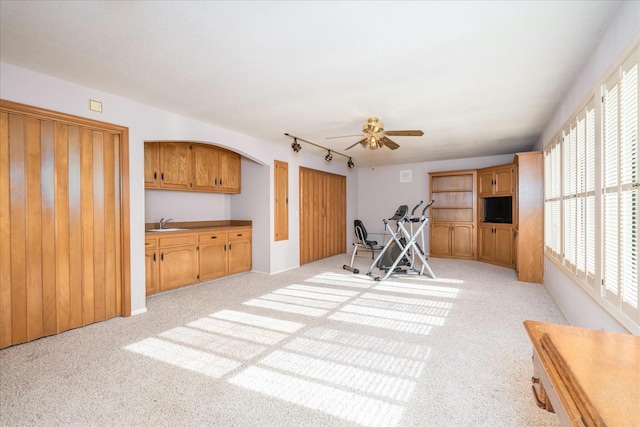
(396,253)
(361,242)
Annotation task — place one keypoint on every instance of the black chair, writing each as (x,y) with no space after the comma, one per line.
(361,235)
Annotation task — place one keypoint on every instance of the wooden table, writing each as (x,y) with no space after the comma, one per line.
(587,377)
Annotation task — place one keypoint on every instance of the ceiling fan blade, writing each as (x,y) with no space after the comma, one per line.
(342,136)
(403,132)
(389,143)
(362,141)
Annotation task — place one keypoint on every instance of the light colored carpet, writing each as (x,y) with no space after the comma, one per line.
(315,346)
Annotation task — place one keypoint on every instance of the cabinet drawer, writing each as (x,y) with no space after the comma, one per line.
(150,243)
(212,237)
(189,239)
(241,234)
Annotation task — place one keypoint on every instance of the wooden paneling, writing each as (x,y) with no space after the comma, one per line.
(322,215)
(281,202)
(64,222)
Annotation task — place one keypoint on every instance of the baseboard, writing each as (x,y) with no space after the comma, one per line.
(139,311)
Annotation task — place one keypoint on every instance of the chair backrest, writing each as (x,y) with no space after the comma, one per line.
(361,232)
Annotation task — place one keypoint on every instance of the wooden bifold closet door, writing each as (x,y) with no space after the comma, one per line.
(64,228)
(323,207)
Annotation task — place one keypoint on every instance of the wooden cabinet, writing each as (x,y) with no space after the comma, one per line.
(205,167)
(529,249)
(239,251)
(178,261)
(151,266)
(175,165)
(191,167)
(496,181)
(453,215)
(495,244)
(452,240)
(213,255)
(185,258)
(229,166)
(151,165)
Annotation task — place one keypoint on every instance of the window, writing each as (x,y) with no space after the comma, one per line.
(594,235)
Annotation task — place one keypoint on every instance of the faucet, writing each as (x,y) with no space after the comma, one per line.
(162,222)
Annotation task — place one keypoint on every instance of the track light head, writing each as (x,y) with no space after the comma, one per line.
(329,156)
(350,163)
(295,146)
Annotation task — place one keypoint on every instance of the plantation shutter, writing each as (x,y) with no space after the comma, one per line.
(590,179)
(569,211)
(620,164)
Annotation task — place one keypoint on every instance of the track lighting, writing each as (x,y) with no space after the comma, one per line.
(328,157)
(295,146)
(350,163)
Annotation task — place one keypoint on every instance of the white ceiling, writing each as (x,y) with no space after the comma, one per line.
(479,78)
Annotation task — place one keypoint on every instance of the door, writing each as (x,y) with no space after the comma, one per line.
(152,277)
(322,215)
(239,256)
(504,181)
(486,243)
(64,223)
(504,245)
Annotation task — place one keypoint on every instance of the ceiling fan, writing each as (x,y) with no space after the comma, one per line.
(376,137)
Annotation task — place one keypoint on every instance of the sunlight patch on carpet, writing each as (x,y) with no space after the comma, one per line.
(349,406)
(184,357)
(287,308)
(350,377)
(224,346)
(260,321)
(380,322)
(250,333)
(368,359)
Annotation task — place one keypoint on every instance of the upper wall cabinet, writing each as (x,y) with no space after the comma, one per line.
(496,181)
(191,167)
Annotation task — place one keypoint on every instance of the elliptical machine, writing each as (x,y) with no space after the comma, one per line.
(395,253)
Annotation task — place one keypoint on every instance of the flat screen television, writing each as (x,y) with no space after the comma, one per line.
(498,209)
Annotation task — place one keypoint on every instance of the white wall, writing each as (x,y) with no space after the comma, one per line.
(148,123)
(380,191)
(576,305)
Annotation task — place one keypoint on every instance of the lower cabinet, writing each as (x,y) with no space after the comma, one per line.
(151,263)
(188,258)
(495,244)
(452,240)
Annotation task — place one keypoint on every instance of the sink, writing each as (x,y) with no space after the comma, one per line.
(167,229)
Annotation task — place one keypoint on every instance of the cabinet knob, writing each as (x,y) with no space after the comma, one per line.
(214,237)
(239,234)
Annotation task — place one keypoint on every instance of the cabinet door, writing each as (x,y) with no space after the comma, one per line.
(486,243)
(462,240)
(239,256)
(503,181)
(440,243)
(152,278)
(504,245)
(485,183)
(151,165)
(175,165)
(178,267)
(229,178)
(205,168)
(213,260)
